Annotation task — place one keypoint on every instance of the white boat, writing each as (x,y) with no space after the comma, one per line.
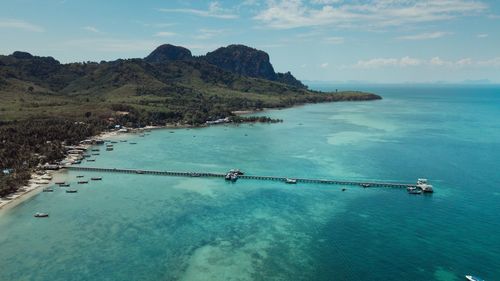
(290,181)
(46,177)
(423,185)
(473,278)
(41,215)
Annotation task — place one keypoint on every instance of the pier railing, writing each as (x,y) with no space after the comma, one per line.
(251,177)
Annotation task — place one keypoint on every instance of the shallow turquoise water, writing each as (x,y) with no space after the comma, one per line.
(140,227)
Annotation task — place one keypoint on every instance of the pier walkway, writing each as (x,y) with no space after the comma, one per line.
(251,177)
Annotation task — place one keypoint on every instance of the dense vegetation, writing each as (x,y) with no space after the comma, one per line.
(45,104)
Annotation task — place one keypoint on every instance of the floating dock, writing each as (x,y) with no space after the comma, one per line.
(250,177)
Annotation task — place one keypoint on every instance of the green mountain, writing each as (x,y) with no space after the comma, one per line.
(169,85)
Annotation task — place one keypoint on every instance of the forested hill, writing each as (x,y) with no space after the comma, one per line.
(169,85)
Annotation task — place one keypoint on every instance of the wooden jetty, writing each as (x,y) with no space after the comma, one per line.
(250,177)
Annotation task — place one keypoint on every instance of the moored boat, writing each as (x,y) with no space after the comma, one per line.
(83,182)
(473,278)
(365,185)
(96,178)
(48,189)
(290,181)
(41,215)
(64,184)
(71,191)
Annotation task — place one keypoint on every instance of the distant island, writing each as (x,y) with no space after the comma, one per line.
(46,105)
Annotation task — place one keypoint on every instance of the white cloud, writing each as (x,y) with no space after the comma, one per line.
(214,11)
(482,35)
(20,25)
(91,29)
(376,63)
(335,40)
(286,14)
(425,36)
(324,65)
(325,1)
(164,34)
(206,33)
(112,45)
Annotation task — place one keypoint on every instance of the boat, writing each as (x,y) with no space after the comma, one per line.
(236,171)
(90,160)
(97,149)
(109,149)
(290,181)
(60,182)
(80,176)
(48,189)
(123,140)
(96,179)
(87,155)
(113,142)
(365,185)
(64,184)
(194,175)
(473,278)
(95,154)
(71,191)
(42,182)
(414,191)
(231,177)
(46,178)
(41,215)
(132,142)
(83,182)
(423,185)
(139,172)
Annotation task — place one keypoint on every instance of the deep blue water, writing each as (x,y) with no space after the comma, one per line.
(138,227)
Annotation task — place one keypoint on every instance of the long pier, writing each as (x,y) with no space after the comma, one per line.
(251,177)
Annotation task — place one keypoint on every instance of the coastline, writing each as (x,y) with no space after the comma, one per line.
(26,192)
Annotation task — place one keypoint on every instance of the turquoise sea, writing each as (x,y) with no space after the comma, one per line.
(142,227)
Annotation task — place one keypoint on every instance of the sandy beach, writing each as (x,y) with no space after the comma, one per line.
(37,183)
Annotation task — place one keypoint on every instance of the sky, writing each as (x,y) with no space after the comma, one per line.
(371,41)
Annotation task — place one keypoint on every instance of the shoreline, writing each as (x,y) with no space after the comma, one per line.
(28,191)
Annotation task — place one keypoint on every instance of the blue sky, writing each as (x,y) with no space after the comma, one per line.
(385,41)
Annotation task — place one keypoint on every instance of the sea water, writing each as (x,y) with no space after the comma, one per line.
(145,227)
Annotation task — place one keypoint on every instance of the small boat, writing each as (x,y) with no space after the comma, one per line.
(87,155)
(64,185)
(414,191)
(132,142)
(473,278)
(96,179)
(365,185)
(41,215)
(97,149)
(42,182)
(123,140)
(90,160)
(343,189)
(47,178)
(95,154)
(290,181)
(79,176)
(109,149)
(71,191)
(139,172)
(77,162)
(113,142)
(60,182)
(194,175)
(231,177)
(83,182)
(48,189)
(236,171)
